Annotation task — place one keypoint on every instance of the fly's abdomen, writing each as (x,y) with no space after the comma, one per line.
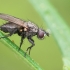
(8,27)
(6,30)
(3,29)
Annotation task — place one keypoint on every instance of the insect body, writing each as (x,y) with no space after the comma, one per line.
(25,29)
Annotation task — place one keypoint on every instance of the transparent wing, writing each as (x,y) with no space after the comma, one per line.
(12,19)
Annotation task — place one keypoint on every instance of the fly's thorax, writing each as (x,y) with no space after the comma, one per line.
(30,34)
(32,27)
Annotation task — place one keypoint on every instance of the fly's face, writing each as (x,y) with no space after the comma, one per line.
(41,33)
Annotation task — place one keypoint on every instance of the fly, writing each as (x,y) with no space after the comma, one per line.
(25,29)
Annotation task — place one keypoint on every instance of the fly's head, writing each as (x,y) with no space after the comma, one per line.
(41,33)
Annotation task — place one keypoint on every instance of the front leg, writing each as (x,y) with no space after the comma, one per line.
(32,42)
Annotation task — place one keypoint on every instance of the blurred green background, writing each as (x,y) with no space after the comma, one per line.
(63,8)
(45,52)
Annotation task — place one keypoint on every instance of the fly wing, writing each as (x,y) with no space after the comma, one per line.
(12,19)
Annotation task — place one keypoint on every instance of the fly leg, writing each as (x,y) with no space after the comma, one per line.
(32,42)
(22,38)
(6,36)
(11,33)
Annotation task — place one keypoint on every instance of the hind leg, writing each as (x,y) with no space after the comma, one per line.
(22,38)
(6,36)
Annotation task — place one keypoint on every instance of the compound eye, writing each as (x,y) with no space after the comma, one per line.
(40,34)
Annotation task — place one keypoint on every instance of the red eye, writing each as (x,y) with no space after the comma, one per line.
(40,33)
